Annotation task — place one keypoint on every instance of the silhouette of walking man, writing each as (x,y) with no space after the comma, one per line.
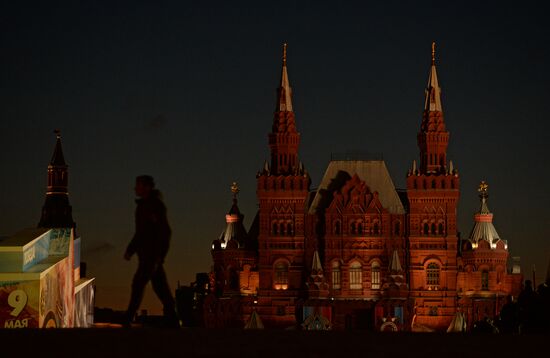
(150,242)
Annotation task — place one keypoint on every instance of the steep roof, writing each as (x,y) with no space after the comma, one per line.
(373,172)
(483,228)
(58,159)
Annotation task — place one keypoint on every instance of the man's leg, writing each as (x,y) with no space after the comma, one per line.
(162,289)
(141,277)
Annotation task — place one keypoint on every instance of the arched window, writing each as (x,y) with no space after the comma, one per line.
(289,229)
(484,280)
(375,276)
(360,228)
(426,229)
(376,228)
(353,228)
(440,229)
(432,274)
(275,230)
(397,228)
(433,229)
(336,275)
(433,184)
(337,227)
(282,228)
(280,281)
(355,276)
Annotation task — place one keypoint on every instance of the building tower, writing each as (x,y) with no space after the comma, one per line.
(282,190)
(57,212)
(234,255)
(484,283)
(433,192)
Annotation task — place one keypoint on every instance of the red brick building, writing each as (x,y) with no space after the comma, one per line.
(356,252)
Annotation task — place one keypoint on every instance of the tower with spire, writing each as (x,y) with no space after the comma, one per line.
(282,189)
(234,255)
(57,211)
(433,193)
(484,283)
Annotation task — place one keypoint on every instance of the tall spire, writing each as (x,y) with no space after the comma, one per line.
(284,137)
(433,91)
(57,212)
(284,92)
(433,138)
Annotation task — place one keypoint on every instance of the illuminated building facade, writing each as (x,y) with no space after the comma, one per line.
(358,253)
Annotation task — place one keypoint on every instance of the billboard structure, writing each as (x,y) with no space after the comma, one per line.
(40,283)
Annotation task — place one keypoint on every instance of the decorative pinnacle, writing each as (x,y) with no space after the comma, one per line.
(284,53)
(57,133)
(235,189)
(433,53)
(482,189)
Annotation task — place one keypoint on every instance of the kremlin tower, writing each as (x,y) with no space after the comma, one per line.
(57,212)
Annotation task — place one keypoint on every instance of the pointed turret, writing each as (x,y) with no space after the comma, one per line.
(433,138)
(234,235)
(483,227)
(317,283)
(254,321)
(395,264)
(57,212)
(284,138)
(316,268)
(57,158)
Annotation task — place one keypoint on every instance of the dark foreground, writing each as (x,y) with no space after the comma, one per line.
(148,342)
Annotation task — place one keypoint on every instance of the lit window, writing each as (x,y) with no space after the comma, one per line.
(432,274)
(281,276)
(336,275)
(355,276)
(375,276)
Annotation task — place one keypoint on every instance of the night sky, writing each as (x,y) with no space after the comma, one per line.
(185,91)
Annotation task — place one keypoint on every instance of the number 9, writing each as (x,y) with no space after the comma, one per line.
(18,300)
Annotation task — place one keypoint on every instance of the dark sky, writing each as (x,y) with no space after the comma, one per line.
(185,91)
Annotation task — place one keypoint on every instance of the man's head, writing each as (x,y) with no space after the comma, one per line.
(144,185)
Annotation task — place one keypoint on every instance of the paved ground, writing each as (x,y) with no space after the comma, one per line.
(146,342)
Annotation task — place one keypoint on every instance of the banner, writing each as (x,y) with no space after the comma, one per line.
(20,304)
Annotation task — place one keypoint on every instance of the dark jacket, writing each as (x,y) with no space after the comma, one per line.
(152,237)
